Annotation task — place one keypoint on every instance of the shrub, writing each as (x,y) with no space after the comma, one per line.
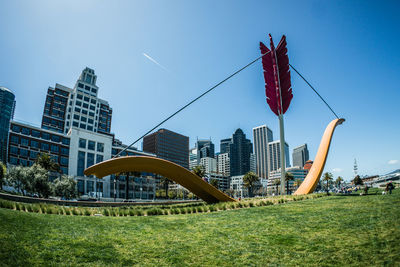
(75,211)
(152,212)
(87,212)
(239,205)
(194,210)
(121,212)
(51,210)
(29,208)
(60,211)
(131,212)
(166,211)
(182,210)
(251,204)
(138,212)
(18,206)
(36,208)
(67,211)
(200,209)
(212,208)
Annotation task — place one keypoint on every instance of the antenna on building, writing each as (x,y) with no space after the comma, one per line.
(355,168)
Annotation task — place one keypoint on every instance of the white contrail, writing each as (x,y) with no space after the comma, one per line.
(154,61)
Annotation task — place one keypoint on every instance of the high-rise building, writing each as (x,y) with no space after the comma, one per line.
(193,158)
(7,107)
(205,148)
(225,145)
(300,155)
(210,165)
(168,145)
(239,153)
(275,155)
(253,166)
(262,135)
(223,164)
(78,107)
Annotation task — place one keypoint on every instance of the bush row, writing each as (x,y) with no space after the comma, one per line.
(151,211)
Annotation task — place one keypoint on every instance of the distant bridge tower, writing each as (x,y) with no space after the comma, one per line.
(355,168)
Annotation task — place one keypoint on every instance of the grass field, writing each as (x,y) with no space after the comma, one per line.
(336,230)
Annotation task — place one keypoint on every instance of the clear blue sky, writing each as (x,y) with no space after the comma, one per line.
(349,50)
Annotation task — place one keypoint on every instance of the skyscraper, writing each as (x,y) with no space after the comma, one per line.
(262,135)
(205,148)
(79,107)
(300,155)
(239,153)
(275,155)
(7,107)
(225,145)
(168,145)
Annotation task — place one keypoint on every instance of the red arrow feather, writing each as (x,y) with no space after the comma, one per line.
(277,76)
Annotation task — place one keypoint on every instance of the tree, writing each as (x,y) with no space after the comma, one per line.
(45,161)
(165,182)
(288,177)
(357,180)
(214,182)
(39,181)
(297,183)
(199,171)
(17,178)
(65,187)
(3,172)
(249,181)
(327,177)
(277,183)
(339,181)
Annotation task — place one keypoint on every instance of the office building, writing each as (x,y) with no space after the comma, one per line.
(239,153)
(300,155)
(205,148)
(7,107)
(253,166)
(168,145)
(262,135)
(275,155)
(78,107)
(27,141)
(223,180)
(209,164)
(193,158)
(298,173)
(223,164)
(225,145)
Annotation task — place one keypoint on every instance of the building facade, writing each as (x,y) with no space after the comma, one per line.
(7,108)
(209,164)
(205,148)
(168,145)
(262,135)
(300,155)
(223,164)
(298,173)
(239,154)
(275,155)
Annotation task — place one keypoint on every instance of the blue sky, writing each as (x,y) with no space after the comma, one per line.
(347,49)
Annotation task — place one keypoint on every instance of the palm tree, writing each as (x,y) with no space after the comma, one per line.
(327,177)
(339,181)
(214,182)
(297,183)
(277,183)
(288,177)
(199,171)
(249,180)
(46,162)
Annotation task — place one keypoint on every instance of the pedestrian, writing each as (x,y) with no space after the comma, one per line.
(390,187)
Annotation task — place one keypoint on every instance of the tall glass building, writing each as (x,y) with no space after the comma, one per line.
(7,107)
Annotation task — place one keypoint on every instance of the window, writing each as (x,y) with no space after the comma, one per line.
(78,103)
(91,144)
(94,90)
(82,126)
(44,146)
(80,85)
(25,131)
(76,117)
(90,121)
(86,99)
(34,144)
(65,141)
(23,162)
(100,147)
(99,158)
(24,142)
(54,158)
(35,133)
(54,148)
(55,138)
(93,101)
(75,123)
(81,186)
(64,151)
(82,143)
(64,161)
(92,107)
(46,136)
(81,163)
(16,128)
(14,139)
(87,88)
(84,111)
(33,154)
(88,78)
(90,128)
(83,119)
(79,96)
(23,152)
(85,105)
(64,170)
(14,150)
(89,186)
(77,110)
(91,113)
(13,160)
(90,159)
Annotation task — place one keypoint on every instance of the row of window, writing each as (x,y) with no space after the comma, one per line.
(34,154)
(39,145)
(39,134)
(88,88)
(91,145)
(28,163)
(90,160)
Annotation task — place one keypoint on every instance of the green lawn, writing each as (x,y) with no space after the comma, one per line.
(336,230)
